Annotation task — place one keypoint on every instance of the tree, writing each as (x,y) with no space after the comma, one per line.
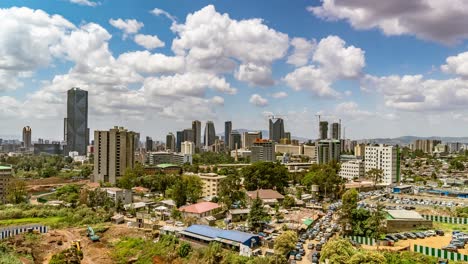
(184,249)
(376,222)
(194,188)
(257,214)
(349,205)
(16,191)
(265,175)
(285,242)
(326,177)
(367,257)
(213,254)
(69,193)
(375,175)
(337,251)
(288,201)
(178,193)
(231,191)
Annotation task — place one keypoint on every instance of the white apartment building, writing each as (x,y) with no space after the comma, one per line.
(291,149)
(211,183)
(187,148)
(384,158)
(353,169)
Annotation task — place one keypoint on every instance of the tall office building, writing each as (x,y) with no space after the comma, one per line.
(263,150)
(227,134)
(323,130)
(77,121)
(335,130)
(27,137)
(385,158)
(196,128)
(113,153)
(235,139)
(188,135)
(328,150)
(149,144)
(171,142)
(179,140)
(248,138)
(276,129)
(210,134)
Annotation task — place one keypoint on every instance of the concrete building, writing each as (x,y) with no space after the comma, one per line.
(290,149)
(114,152)
(27,137)
(187,148)
(171,142)
(227,134)
(179,140)
(125,196)
(455,147)
(200,210)
(287,135)
(211,183)
(335,131)
(188,135)
(385,158)
(149,144)
(263,150)
(162,157)
(360,150)
(210,134)
(323,130)
(53,148)
(405,220)
(328,150)
(441,149)
(241,153)
(235,139)
(6,174)
(276,129)
(248,138)
(196,128)
(77,131)
(351,170)
(310,151)
(425,145)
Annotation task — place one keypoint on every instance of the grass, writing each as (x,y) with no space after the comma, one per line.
(450,227)
(49,221)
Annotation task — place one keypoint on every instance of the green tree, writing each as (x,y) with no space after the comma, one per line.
(265,175)
(257,214)
(194,187)
(375,175)
(16,191)
(367,257)
(285,242)
(288,202)
(326,177)
(178,193)
(337,251)
(376,222)
(231,191)
(213,253)
(349,205)
(184,249)
(69,193)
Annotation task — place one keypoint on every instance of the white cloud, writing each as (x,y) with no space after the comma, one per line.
(437,20)
(279,95)
(258,100)
(350,110)
(255,75)
(457,65)
(128,26)
(85,2)
(302,53)
(217,100)
(158,12)
(148,42)
(145,62)
(312,79)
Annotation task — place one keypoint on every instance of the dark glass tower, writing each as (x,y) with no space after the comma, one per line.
(276,129)
(210,134)
(196,127)
(227,134)
(77,121)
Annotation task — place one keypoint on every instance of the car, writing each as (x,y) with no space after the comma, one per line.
(298,257)
(392,237)
(315,260)
(420,235)
(310,246)
(318,247)
(440,232)
(410,235)
(400,236)
(430,233)
(457,243)
(302,252)
(292,261)
(451,248)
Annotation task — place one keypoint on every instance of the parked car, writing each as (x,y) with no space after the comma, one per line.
(400,236)
(430,233)
(392,237)
(318,247)
(440,232)
(298,257)
(450,248)
(310,246)
(420,235)
(315,260)
(410,235)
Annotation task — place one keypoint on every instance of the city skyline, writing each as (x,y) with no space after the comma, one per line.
(146,67)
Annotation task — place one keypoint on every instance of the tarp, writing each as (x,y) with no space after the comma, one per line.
(308,222)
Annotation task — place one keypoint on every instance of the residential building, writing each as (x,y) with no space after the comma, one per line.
(211,183)
(290,149)
(455,147)
(235,139)
(335,131)
(385,158)
(187,148)
(200,210)
(27,137)
(323,130)
(162,157)
(77,121)
(241,153)
(114,152)
(268,196)
(248,138)
(196,128)
(359,150)
(310,151)
(149,144)
(227,134)
(116,194)
(328,150)
(441,149)
(179,140)
(6,174)
(210,134)
(276,129)
(351,170)
(171,142)
(425,145)
(263,150)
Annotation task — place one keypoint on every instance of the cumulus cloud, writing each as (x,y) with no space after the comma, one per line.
(255,75)
(258,100)
(279,95)
(302,52)
(128,26)
(159,12)
(351,110)
(146,62)
(457,65)
(85,2)
(437,20)
(312,79)
(148,42)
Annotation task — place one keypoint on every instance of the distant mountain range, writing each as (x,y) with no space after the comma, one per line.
(405,140)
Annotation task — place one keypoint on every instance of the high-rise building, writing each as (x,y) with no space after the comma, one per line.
(188,135)
(287,135)
(227,134)
(210,134)
(323,130)
(335,130)
(359,150)
(248,138)
(180,139)
(196,128)
(425,145)
(263,150)
(6,175)
(235,139)
(113,153)
(77,121)
(171,142)
(385,158)
(188,148)
(328,150)
(276,130)
(27,137)
(149,144)
(351,170)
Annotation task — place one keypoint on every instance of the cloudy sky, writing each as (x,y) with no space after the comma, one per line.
(387,70)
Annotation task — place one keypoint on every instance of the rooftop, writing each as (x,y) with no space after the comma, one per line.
(167,165)
(213,232)
(3,167)
(404,214)
(199,208)
(265,194)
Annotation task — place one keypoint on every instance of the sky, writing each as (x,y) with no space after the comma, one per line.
(388,70)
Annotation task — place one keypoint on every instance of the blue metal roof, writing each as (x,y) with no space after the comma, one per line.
(213,232)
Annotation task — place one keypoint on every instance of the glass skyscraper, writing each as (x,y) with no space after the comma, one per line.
(77,132)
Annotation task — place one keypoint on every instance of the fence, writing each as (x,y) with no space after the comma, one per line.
(439,253)
(363,240)
(15,230)
(446,219)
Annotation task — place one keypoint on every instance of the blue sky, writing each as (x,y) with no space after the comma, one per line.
(387,71)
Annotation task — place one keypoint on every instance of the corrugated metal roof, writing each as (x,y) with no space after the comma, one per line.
(199,208)
(213,232)
(404,214)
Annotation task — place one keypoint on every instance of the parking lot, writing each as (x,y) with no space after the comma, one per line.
(434,241)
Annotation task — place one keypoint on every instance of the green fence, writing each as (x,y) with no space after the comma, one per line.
(447,219)
(439,253)
(363,240)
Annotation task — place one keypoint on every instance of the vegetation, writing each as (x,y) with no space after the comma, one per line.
(326,177)
(212,158)
(230,190)
(16,192)
(257,215)
(187,189)
(349,205)
(288,202)
(375,175)
(265,175)
(285,242)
